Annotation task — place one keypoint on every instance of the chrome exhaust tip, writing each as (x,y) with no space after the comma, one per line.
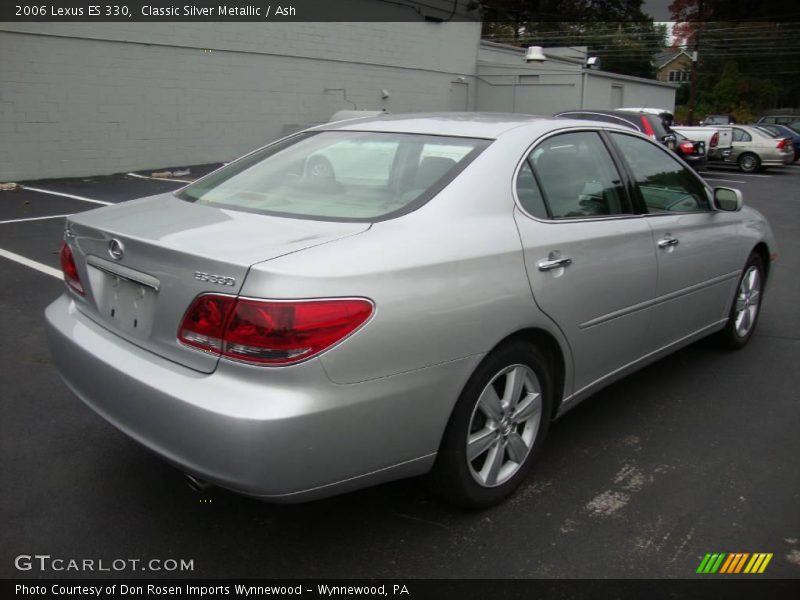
(197,485)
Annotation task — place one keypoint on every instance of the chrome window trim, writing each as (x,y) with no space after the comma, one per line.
(529,149)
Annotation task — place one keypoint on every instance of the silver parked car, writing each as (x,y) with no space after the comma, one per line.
(753,149)
(275,330)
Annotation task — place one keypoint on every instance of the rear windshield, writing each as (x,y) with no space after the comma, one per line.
(338,175)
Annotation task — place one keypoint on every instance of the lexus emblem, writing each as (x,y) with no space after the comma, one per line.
(115,249)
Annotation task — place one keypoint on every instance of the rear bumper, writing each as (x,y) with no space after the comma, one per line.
(285,434)
(696,162)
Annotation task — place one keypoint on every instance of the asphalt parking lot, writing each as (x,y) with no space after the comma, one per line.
(696,453)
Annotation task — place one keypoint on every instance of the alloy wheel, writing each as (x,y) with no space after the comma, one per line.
(748,301)
(749,163)
(504,425)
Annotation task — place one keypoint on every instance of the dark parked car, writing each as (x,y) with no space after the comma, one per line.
(783,131)
(791,121)
(652,125)
(693,153)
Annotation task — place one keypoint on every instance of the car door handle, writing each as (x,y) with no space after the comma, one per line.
(667,242)
(549,265)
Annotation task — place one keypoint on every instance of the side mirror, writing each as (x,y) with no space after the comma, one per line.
(728,199)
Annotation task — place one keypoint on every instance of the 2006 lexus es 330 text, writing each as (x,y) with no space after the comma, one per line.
(381,298)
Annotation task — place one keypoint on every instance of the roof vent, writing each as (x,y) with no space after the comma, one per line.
(535,54)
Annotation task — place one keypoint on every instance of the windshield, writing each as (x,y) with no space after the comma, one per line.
(338,175)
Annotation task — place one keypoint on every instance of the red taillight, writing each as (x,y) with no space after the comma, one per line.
(204,322)
(714,140)
(70,270)
(270,332)
(648,129)
(686,147)
(781,144)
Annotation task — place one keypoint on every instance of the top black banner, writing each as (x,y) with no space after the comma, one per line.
(436,11)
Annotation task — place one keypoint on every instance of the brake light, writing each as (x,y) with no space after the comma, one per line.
(781,144)
(714,140)
(648,129)
(268,332)
(204,323)
(686,147)
(70,270)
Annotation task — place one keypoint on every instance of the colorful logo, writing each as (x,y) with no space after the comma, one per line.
(734,562)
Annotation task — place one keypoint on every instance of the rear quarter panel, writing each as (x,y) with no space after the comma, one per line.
(448,280)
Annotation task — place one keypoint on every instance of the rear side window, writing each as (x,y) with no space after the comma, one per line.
(740,135)
(530,198)
(665,184)
(577,177)
(338,175)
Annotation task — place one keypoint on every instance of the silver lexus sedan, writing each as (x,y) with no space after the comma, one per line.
(292,327)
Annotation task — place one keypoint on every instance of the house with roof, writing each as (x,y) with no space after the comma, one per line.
(673,66)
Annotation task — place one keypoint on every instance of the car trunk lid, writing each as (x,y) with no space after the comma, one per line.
(143,262)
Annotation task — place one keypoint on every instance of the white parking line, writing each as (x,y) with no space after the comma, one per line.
(74,197)
(42,268)
(728,180)
(33,219)
(159,178)
(747,175)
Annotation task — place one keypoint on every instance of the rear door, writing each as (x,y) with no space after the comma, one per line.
(696,245)
(590,261)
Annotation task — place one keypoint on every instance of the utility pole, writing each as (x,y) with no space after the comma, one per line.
(693,83)
(693,86)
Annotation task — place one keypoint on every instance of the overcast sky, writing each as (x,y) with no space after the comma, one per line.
(657,9)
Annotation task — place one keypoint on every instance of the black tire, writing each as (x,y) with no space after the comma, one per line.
(731,337)
(749,162)
(452,476)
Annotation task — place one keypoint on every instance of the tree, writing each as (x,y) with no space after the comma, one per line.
(763,48)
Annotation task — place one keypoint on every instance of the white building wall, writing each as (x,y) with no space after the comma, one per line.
(95,98)
(507,83)
(635,93)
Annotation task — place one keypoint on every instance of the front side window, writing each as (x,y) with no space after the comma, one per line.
(339,175)
(664,183)
(578,177)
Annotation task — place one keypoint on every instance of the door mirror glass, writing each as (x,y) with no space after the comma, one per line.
(728,199)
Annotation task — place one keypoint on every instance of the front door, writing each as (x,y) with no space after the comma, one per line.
(698,261)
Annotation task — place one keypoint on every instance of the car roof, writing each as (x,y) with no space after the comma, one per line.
(602,111)
(753,129)
(649,111)
(778,126)
(486,125)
